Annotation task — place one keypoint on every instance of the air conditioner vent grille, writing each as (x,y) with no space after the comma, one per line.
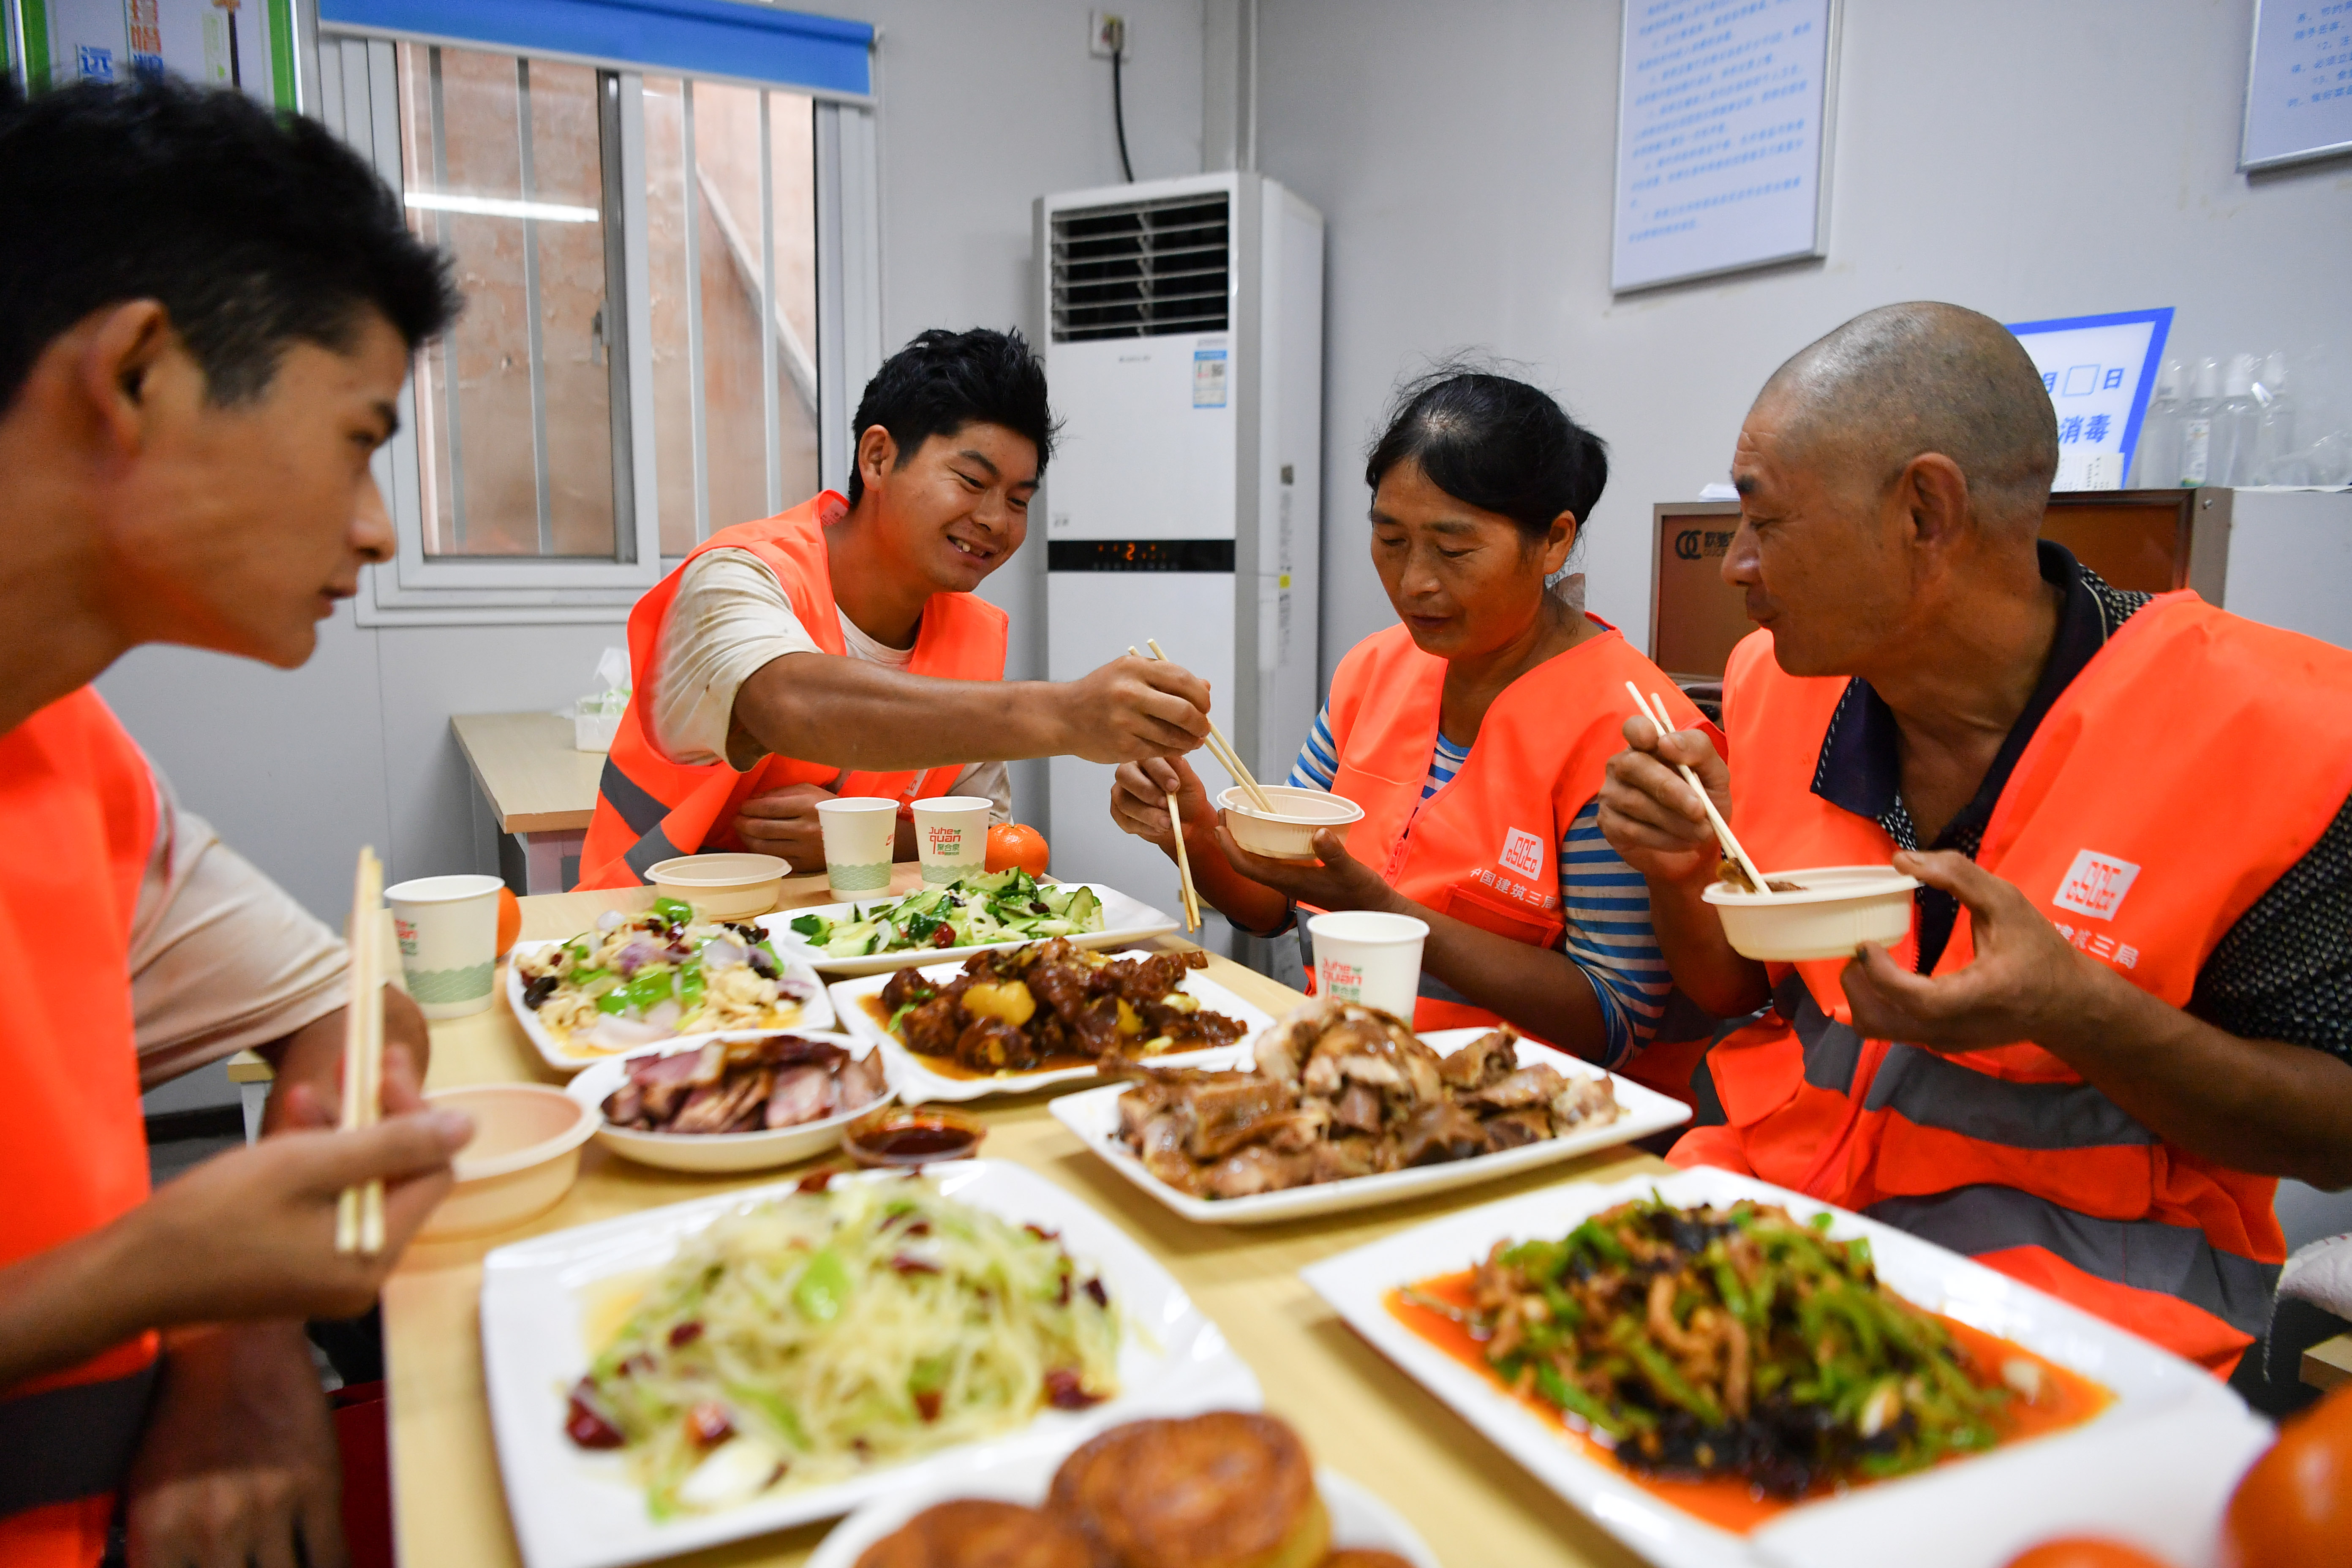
(1143,269)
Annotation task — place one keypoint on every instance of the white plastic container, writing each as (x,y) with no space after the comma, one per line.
(593,728)
(523,1158)
(730,886)
(1838,908)
(1289,832)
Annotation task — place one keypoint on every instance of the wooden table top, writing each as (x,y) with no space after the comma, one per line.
(1470,1502)
(2328,1364)
(528,770)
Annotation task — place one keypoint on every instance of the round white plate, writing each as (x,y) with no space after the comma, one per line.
(1358,1519)
(715,1151)
(1125,920)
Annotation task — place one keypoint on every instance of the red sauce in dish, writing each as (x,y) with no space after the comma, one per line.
(912,1135)
(2068,1399)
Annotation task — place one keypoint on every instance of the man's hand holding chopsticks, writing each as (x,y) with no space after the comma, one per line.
(1647,811)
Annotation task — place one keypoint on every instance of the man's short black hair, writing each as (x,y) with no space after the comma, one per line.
(253,230)
(944,381)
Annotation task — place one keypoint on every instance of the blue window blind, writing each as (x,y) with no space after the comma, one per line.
(692,37)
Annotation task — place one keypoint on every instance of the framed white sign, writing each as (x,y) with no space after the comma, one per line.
(2298,83)
(2099,372)
(1723,136)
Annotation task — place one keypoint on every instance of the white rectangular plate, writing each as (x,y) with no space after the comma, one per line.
(1125,920)
(573,1508)
(1972,1503)
(1358,1519)
(816,1012)
(1094,1117)
(917,1080)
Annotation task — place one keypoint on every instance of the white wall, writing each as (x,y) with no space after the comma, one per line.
(2028,158)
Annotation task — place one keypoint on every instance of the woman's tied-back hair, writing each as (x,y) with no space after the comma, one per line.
(253,230)
(1495,442)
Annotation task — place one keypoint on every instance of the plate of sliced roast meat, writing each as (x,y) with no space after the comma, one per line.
(1344,1107)
(741,1101)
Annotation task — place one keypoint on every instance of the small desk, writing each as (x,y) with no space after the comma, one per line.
(2328,1364)
(1358,1413)
(540,792)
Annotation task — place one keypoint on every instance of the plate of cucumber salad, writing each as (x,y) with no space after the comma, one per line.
(972,914)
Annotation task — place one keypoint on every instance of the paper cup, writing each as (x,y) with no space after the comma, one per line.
(448,931)
(1370,958)
(951,837)
(860,832)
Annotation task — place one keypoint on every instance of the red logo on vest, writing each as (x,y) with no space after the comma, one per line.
(2095,885)
(1523,852)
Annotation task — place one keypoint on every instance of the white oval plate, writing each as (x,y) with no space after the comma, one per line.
(1125,920)
(2155,1467)
(1094,1118)
(715,1151)
(574,1508)
(918,1082)
(1358,1519)
(816,1012)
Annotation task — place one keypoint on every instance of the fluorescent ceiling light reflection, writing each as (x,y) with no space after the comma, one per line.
(496,206)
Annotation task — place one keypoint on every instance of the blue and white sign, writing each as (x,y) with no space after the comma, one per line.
(2298,83)
(1722,136)
(2099,370)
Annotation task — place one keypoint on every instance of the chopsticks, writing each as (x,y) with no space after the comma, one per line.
(359,1212)
(1222,749)
(1186,894)
(1723,833)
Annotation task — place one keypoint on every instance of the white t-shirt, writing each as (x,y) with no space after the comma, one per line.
(731,616)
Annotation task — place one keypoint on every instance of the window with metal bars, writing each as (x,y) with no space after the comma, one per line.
(1142,269)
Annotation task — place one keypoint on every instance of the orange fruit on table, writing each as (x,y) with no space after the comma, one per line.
(2085,1552)
(510,920)
(1012,844)
(2294,1507)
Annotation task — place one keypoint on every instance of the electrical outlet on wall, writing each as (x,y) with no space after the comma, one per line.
(1105,35)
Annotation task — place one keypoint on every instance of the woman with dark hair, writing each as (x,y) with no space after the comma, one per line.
(1473,735)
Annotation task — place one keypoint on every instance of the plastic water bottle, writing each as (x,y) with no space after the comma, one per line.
(2196,423)
(2274,429)
(2157,461)
(2236,422)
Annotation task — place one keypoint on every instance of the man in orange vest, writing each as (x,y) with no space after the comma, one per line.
(205,317)
(2125,1007)
(839,649)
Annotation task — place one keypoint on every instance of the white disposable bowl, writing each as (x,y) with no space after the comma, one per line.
(723,886)
(715,1151)
(523,1156)
(1289,832)
(1839,907)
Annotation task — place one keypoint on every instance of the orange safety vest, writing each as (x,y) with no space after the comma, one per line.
(1484,849)
(78,807)
(649,808)
(2108,824)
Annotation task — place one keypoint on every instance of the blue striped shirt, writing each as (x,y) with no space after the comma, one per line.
(1607,905)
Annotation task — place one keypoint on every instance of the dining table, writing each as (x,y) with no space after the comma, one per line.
(1357,1413)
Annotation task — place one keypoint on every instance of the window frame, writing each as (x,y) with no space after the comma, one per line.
(356,96)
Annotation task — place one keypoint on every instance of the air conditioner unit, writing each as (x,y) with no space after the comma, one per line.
(1184,349)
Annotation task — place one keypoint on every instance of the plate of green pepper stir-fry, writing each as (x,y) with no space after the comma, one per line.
(1650,1348)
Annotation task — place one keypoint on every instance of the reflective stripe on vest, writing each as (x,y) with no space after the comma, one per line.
(650,809)
(2090,829)
(1485,847)
(80,806)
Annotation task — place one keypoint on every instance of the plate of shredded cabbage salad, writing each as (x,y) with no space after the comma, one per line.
(972,914)
(661,973)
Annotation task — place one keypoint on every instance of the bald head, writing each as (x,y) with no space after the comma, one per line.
(1904,380)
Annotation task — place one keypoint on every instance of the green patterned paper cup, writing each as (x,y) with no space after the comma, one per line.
(861,831)
(951,837)
(448,931)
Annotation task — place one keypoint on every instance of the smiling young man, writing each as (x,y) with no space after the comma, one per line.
(205,317)
(839,649)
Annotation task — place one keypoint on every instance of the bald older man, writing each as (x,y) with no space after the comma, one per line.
(2125,1007)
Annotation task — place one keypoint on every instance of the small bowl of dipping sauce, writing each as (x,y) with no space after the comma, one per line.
(1288,834)
(897,1137)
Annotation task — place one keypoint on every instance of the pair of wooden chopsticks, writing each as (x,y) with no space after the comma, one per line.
(1186,894)
(1723,834)
(359,1212)
(1222,749)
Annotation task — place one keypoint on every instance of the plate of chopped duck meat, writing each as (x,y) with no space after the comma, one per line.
(743,1101)
(1007,1022)
(1344,1106)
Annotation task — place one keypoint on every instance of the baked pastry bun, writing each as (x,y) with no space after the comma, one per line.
(1363,1557)
(1220,1490)
(974,1533)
